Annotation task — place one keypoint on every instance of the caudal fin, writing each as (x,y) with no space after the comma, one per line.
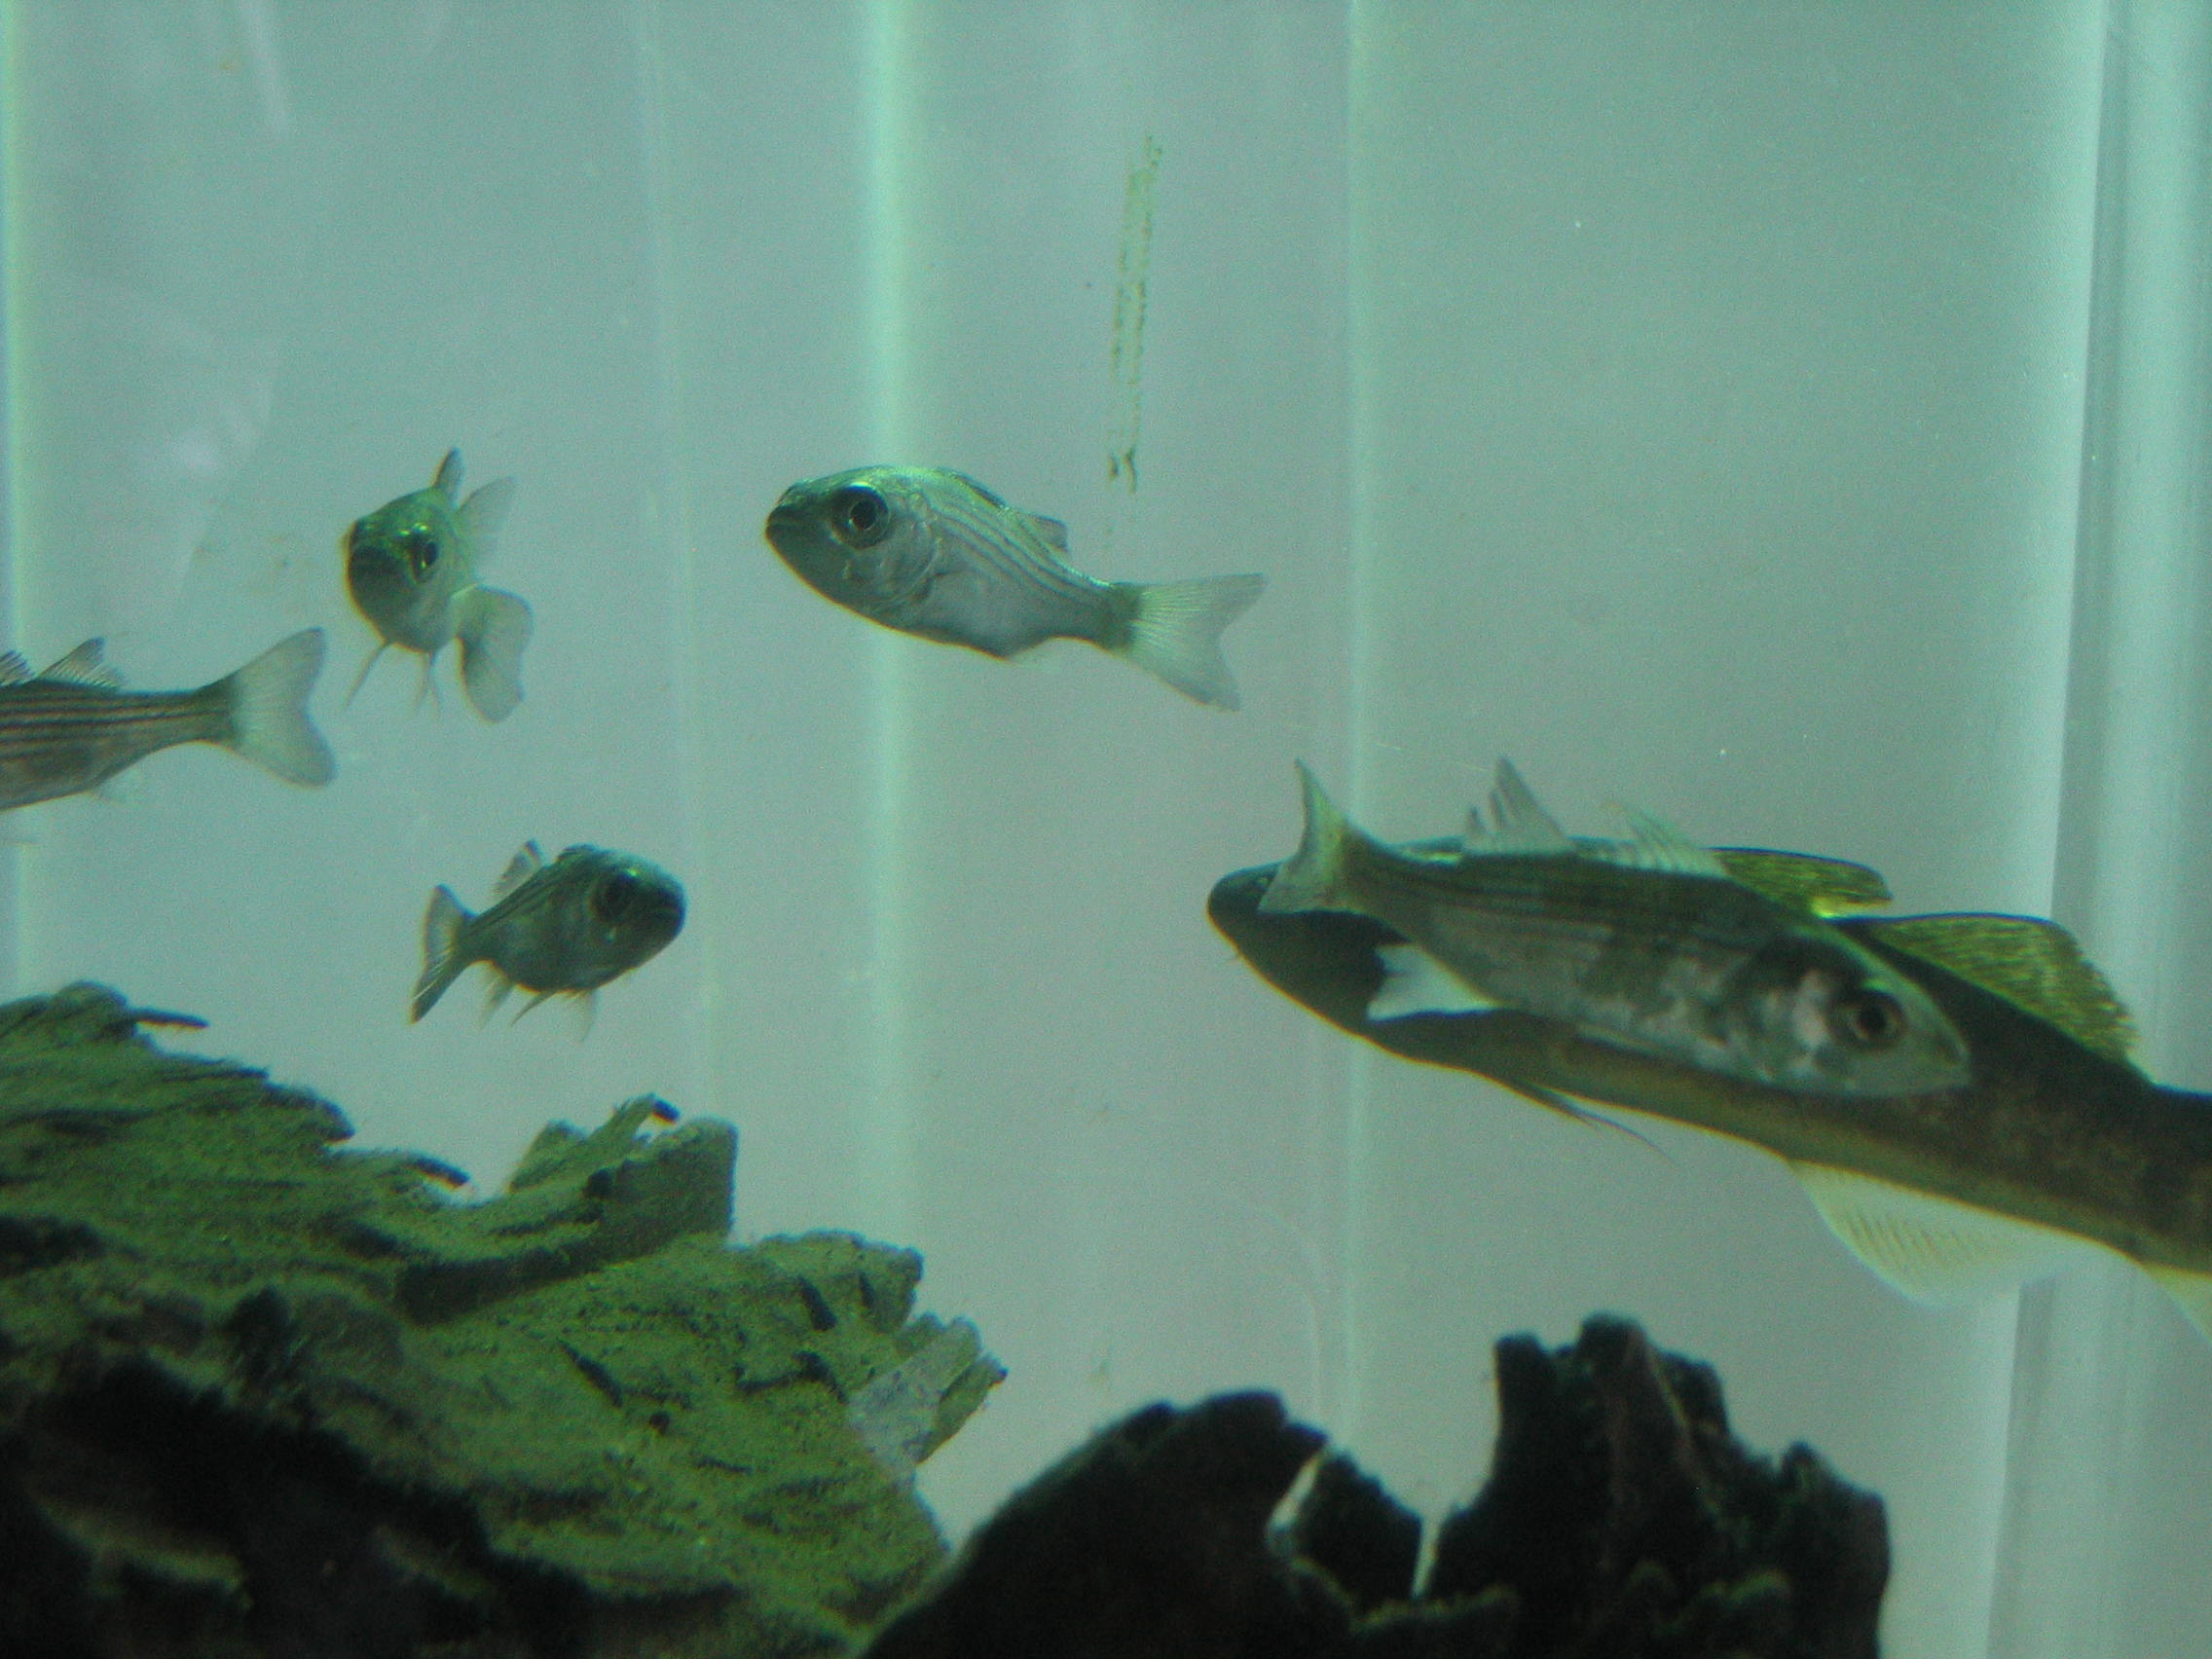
(493,627)
(442,958)
(268,704)
(1310,878)
(1174,632)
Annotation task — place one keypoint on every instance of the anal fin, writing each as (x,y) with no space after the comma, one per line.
(1932,1249)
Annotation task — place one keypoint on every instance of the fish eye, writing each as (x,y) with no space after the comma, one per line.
(422,550)
(1870,1019)
(861,515)
(615,896)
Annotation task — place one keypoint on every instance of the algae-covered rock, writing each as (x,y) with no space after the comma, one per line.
(261,1394)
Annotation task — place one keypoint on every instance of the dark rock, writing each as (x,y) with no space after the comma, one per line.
(1620,1522)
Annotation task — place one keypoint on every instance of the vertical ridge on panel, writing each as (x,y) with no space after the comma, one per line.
(672,515)
(12,378)
(2111,1448)
(886,1139)
(1358,1063)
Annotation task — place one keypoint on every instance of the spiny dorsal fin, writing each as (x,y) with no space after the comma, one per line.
(448,478)
(981,488)
(2029,961)
(1932,1249)
(1826,887)
(1518,821)
(86,666)
(525,864)
(1655,844)
(13,670)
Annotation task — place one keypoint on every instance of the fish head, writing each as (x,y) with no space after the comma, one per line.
(404,563)
(627,907)
(863,538)
(1815,1012)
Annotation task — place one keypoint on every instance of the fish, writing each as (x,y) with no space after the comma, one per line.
(932,552)
(72,727)
(2054,1148)
(1648,944)
(560,927)
(411,567)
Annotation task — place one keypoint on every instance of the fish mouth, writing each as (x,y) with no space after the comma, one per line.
(789,510)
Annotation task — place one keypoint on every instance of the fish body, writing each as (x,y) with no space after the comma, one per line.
(72,727)
(563,927)
(1650,944)
(2050,1146)
(412,568)
(933,553)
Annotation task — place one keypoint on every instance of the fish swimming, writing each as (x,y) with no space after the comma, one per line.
(567,927)
(932,552)
(2051,1147)
(73,728)
(411,567)
(1648,944)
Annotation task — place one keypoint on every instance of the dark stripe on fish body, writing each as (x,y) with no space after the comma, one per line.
(43,711)
(1002,541)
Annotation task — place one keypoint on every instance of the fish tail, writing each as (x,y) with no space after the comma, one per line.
(1312,877)
(443,956)
(1173,630)
(267,705)
(492,628)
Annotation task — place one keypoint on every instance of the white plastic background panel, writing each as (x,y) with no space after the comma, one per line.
(1784,418)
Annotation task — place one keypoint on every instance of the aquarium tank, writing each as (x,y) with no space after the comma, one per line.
(1785,420)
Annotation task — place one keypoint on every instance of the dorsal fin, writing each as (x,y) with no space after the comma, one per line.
(2034,964)
(448,478)
(525,864)
(1655,844)
(1826,887)
(981,488)
(13,670)
(1518,821)
(86,666)
(1932,1249)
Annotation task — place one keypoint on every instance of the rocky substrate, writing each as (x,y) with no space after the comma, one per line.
(1621,1521)
(264,1395)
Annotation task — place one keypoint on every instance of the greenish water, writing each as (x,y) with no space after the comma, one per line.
(1785,419)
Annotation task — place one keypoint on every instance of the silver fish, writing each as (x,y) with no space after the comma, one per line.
(932,552)
(411,567)
(1647,943)
(565,927)
(72,727)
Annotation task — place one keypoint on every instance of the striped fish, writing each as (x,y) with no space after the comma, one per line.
(73,728)
(932,552)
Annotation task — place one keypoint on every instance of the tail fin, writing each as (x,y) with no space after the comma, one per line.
(1311,878)
(493,627)
(442,959)
(1174,632)
(268,704)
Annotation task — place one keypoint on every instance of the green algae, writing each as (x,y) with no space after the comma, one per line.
(571,1418)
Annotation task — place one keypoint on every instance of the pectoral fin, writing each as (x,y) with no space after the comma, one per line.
(1931,1249)
(1416,982)
(2194,1291)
